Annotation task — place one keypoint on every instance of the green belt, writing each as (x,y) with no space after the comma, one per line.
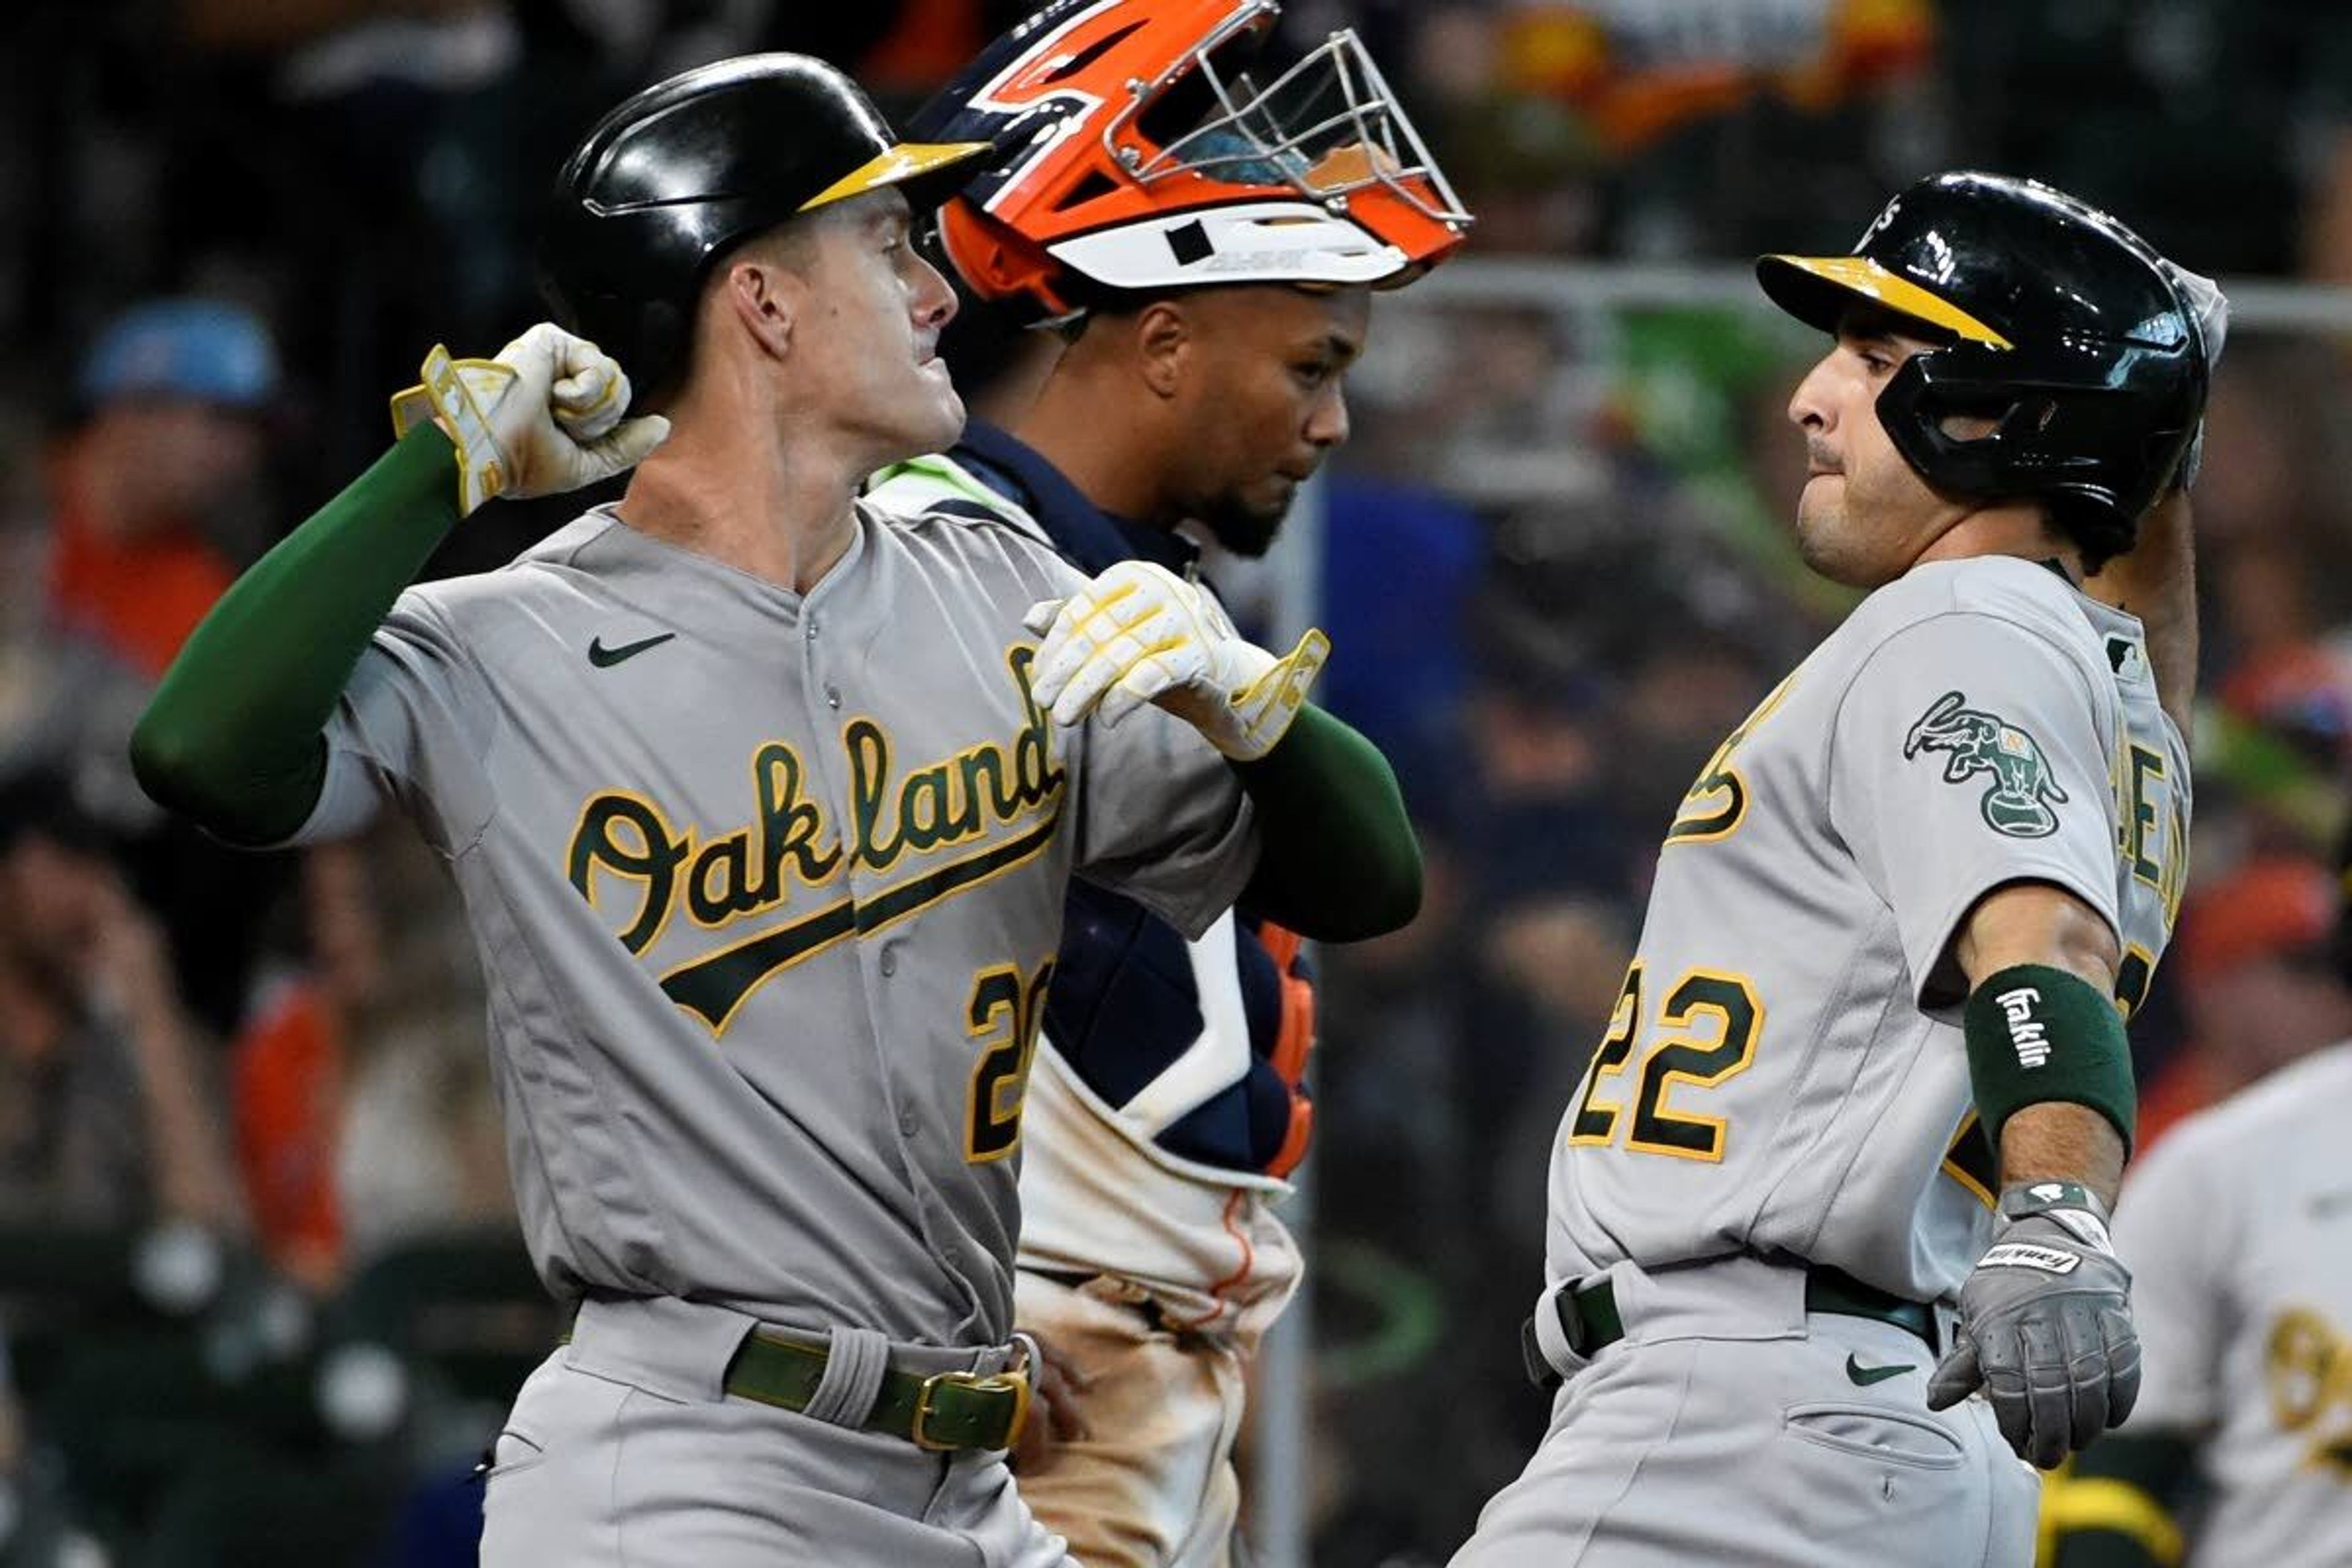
(944,1412)
(1589,1319)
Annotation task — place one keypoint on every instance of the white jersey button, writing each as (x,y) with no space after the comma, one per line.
(889,961)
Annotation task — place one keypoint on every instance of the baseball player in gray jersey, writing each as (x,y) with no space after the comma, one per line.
(1874,1022)
(2238,1231)
(763,806)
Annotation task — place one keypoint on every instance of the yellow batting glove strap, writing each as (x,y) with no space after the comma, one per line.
(1262,714)
(450,396)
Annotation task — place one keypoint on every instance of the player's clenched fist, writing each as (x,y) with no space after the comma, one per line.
(2045,1326)
(544,416)
(1140,634)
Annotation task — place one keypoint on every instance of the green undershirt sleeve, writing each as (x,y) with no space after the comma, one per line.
(1337,860)
(234,735)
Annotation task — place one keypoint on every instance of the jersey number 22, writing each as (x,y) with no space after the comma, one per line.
(1708,1028)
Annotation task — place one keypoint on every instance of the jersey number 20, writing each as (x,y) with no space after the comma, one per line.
(1005,1014)
(1708,1025)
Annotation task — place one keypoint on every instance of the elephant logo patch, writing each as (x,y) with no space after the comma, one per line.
(2018,800)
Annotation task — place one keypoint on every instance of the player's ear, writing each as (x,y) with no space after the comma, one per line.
(1163,345)
(764,298)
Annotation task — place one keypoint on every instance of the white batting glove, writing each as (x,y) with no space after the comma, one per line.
(542,417)
(1140,634)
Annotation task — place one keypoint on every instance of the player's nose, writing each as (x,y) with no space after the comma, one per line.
(1327,422)
(934,301)
(1810,406)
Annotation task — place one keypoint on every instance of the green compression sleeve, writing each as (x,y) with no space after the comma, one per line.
(234,735)
(1337,860)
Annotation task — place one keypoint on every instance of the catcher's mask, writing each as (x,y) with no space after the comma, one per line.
(1133,152)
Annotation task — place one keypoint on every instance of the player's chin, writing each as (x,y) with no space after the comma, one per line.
(1832,551)
(1245,524)
(930,417)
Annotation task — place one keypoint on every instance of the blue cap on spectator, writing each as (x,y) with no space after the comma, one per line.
(182,347)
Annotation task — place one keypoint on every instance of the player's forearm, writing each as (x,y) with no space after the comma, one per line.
(2047,1057)
(2060,1142)
(2158,582)
(233,736)
(1338,860)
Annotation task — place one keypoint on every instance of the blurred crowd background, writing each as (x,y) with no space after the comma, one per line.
(260,1296)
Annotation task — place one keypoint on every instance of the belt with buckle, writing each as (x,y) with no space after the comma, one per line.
(944,1412)
(1588,1320)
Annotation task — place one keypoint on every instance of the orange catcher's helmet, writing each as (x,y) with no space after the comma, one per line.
(1134,152)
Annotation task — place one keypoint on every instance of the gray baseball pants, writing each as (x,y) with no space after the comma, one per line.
(1729,1425)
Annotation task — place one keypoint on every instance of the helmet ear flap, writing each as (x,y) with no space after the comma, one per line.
(1915,409)
(2050,442)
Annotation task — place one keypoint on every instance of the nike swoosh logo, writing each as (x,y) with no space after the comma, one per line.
(605,658)
(1863,1376)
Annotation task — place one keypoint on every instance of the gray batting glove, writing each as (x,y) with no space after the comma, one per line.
(2212,308)
(2045,1326)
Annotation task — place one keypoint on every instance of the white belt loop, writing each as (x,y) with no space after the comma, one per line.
(854,1363)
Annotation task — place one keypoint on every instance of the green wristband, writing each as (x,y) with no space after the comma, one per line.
(2037,1034)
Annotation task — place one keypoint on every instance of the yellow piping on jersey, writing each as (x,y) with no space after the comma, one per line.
(2073,1504)
(1702,823)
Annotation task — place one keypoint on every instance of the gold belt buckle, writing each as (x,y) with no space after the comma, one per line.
(1014,1382)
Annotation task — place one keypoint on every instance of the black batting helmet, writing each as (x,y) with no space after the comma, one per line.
(691,165)
(2056,321)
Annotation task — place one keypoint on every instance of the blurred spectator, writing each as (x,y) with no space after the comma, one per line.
(166,438)
(1399,562)
(419,1149)
(105,1116)
(1630,128)
(2260,984)
(362,1088)
(165,433)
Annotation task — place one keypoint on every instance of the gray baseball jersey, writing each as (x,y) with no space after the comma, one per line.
(2238,1231)
(1785,1073)
(766,890)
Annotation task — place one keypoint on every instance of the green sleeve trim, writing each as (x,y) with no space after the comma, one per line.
(2038,1034)
(1338,859)
(234,735)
